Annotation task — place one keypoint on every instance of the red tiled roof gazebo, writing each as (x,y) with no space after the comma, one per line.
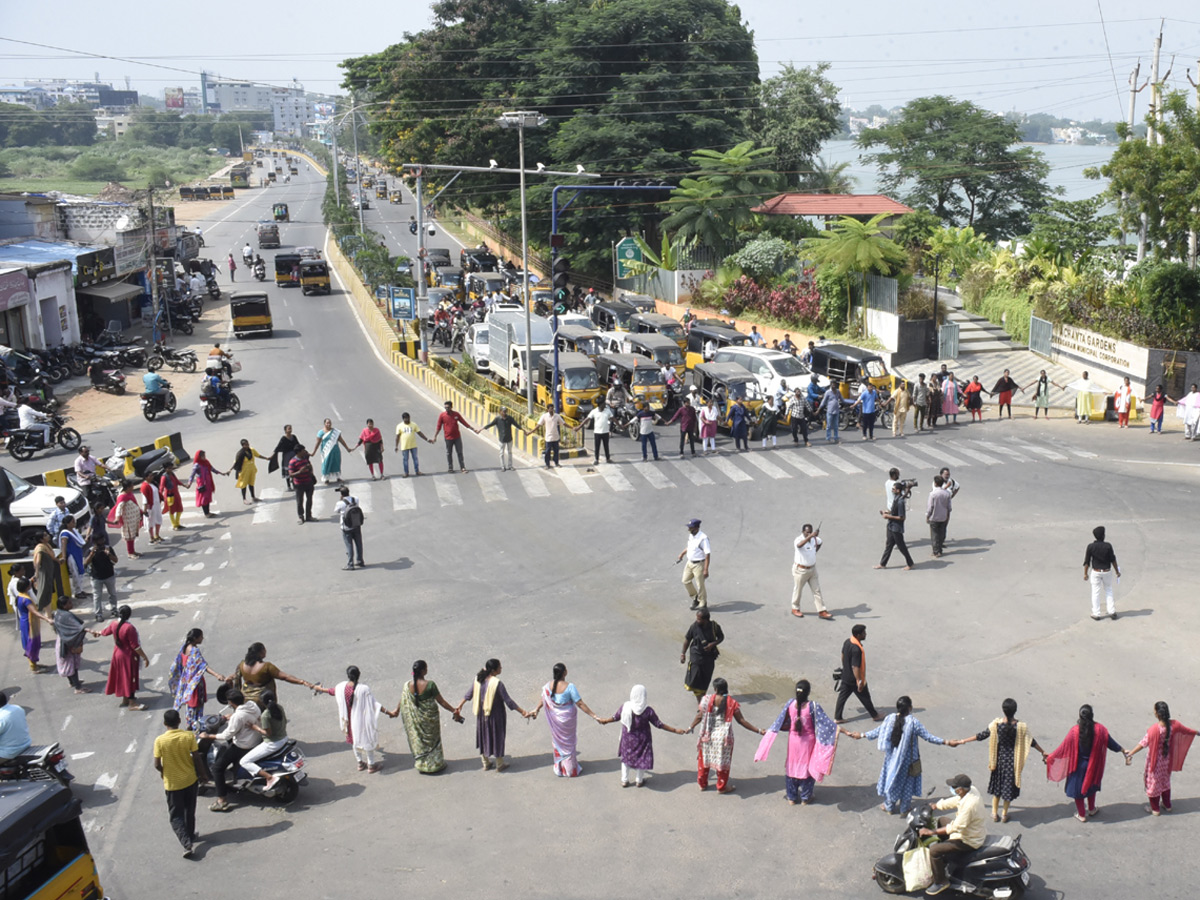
(831,205)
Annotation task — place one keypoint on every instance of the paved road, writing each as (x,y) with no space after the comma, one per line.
(535,567)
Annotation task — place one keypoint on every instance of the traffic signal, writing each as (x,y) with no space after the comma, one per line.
(561,275)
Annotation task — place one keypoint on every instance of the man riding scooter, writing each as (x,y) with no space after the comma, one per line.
(260,268)
(956,836)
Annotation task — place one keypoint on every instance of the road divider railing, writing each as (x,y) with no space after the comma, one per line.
(58,477)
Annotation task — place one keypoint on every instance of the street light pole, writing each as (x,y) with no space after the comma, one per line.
(937,259)
(357,170)
(521,119)
(337,190)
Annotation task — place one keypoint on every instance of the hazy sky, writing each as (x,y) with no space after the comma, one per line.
(1030,55)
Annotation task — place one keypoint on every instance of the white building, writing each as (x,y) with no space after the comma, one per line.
(291,110)
(239,96)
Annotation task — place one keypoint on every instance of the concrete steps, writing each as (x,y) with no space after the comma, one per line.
(977,335)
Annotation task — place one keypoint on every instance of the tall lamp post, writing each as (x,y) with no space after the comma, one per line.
(521,120)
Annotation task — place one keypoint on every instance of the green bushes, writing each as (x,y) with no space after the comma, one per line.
(97,168)
(60,168)
(1005,309)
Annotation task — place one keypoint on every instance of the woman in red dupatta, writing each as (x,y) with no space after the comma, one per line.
(1166,745)
(1080,760)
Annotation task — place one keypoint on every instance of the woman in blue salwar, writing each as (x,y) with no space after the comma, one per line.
(900,777)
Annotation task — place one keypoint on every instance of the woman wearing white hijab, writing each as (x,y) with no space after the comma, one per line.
(637,744)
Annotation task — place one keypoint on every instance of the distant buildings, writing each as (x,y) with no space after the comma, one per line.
(47,94)
(1075,134)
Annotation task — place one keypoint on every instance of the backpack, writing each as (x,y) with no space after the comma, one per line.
(353,517)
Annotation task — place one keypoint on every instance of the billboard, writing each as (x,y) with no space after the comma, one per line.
(173,97)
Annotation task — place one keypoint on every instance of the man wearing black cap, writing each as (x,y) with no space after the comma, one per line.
(961,834)
(695,573)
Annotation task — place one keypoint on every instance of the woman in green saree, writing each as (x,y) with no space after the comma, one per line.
(422,723)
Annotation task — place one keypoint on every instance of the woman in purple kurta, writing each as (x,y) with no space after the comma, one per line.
(637,743)
(491,718)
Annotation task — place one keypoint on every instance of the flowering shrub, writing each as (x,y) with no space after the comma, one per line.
(798,304)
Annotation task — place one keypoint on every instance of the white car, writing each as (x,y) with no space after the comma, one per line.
(33,505)
(503,306)
(477,346)
(770,367)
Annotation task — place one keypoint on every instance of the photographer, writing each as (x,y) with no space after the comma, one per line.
(906,486)
(895,515)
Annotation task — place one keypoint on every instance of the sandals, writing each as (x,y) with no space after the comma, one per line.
(362,766)
(220,806)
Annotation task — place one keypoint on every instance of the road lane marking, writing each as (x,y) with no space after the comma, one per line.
(66,722)
(574,481)
(691,472)
(802,462)
(976,455)
(901,456)
(832,459)
(447,490)
(532,482)
(490,486)
(205,582)
(1040,451)
(193,567)
(106,782)
(268,508)
(403,495)
(1006,451)
(876,463)
(940,456)
(654,475)
(615,479)
(728,469)
(769,468)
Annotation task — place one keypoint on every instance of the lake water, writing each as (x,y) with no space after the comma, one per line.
(1067,162)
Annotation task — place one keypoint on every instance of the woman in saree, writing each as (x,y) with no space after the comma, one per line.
(811,744)
(418,707)
(330,442)
(186,682)
(562,703)
(1166,745)
(900,776)
(202,478)
(68,645)
(127,513)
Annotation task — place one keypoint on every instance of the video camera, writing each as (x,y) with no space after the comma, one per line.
(907,485)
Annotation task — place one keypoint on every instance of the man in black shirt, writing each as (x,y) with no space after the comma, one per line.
(895,528)
(854,674)
(700,651)
(1099,565)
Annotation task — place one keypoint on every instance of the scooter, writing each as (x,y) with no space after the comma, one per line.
(998,869)
(179,360)
(24,442)
(153,404)
(145,467)
(287,763)
(38,763)
(260,271)
(110,381)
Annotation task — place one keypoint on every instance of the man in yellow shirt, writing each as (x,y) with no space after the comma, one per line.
(177,758)
(961,834)
(407,433)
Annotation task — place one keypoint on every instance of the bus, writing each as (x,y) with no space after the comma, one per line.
(43,851)
(239,176)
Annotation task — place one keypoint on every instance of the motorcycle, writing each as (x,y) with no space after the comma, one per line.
(998,869)
(24,442)
(145,467)
(260,271)
(100,490)
(38,763)
(247,256)
(179,360)
(111,381)
(153,404)
(217,403)
(624,420)
(286,763)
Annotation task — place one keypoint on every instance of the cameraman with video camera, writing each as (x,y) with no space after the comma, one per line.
(906,486)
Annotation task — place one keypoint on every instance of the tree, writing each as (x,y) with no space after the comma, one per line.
(1077,227)
(796,112)
(824,178)
(856,247)
(629,88)
(712,207)
(960,162)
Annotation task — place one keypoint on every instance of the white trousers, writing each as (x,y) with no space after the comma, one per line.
(506,456)
(249,762)
(365,755)
(1102,586)
(629,775)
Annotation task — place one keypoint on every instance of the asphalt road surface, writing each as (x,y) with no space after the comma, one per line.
(576,565)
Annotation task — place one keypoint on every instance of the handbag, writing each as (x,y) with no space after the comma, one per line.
(914,768)
(837,678)
(918,870)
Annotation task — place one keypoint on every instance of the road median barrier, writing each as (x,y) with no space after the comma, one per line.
(59,477)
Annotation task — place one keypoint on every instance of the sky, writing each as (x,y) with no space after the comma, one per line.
(1028,55)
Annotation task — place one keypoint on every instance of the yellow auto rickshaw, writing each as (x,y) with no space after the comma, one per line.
(658,347)
(642,378)
(725,383)
(851,365)
(271,177)
(657,323)
(314,276)
(43,848)
(280,211)
(251,313)
(578,384)
(287,269)
(703,341)
(579,339)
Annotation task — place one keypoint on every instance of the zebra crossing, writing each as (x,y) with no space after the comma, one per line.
(788,463)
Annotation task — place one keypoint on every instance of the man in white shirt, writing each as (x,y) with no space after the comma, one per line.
(695,573)
(551,423)
(959,835)
(601,419)
(710,349)
(893,477)
(196,285)
(85,466)
(32,420)
(804,571)
(755,338)
(953,487)
(241,738)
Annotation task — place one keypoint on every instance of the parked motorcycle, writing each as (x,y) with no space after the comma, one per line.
(38,763)
(998,869)
(217,403)
(153,404)
(24,442)
(110,381)
(144,467)
(286,763)
(179,360)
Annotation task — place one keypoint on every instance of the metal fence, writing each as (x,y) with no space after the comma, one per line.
(1040,334)
(948,341)
(883,294)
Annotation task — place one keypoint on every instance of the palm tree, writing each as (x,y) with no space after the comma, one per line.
(828,179)
(854,246)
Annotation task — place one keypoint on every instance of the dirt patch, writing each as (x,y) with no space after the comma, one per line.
(189,212)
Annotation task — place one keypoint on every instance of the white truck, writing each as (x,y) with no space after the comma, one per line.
(506,347)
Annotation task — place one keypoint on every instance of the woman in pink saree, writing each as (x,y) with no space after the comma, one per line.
(562,703)
(811,744)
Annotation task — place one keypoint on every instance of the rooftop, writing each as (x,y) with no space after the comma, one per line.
(831,205)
